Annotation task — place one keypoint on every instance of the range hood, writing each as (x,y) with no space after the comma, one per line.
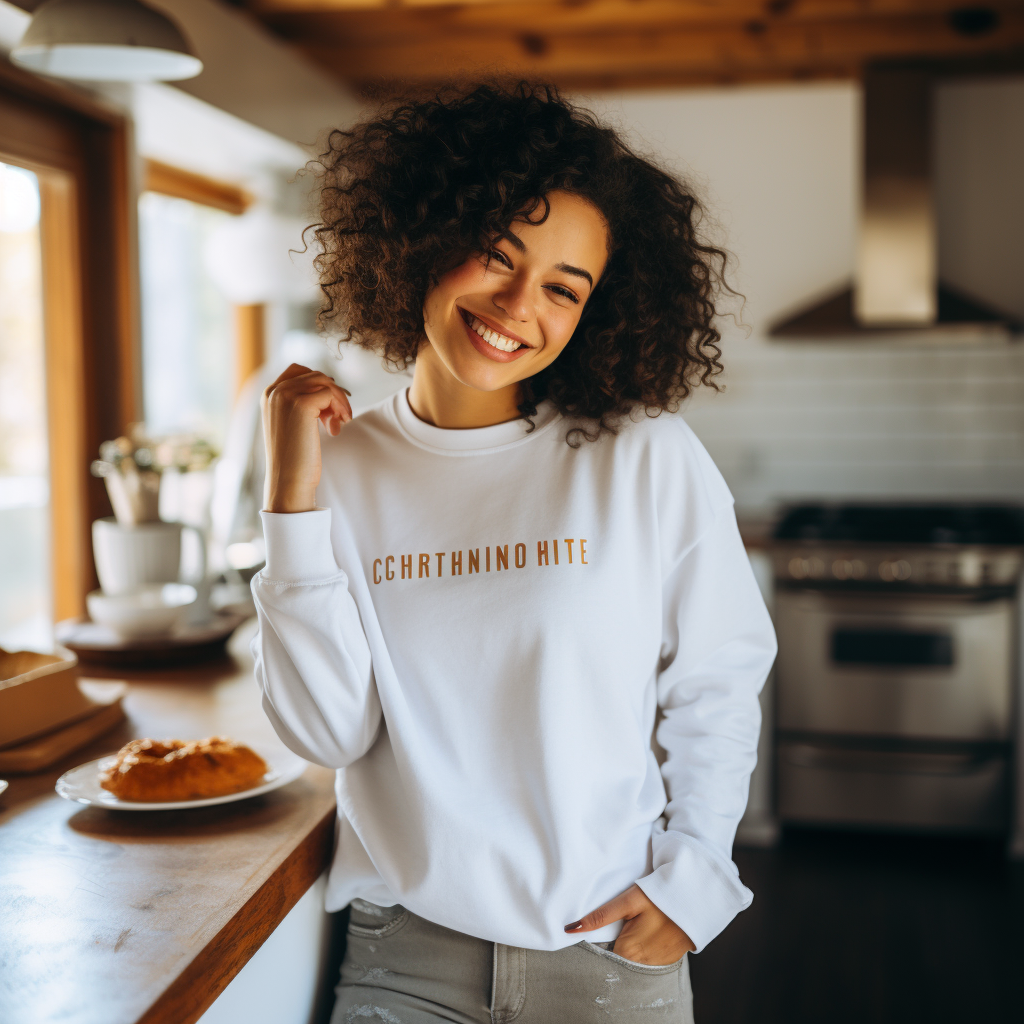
(896,294)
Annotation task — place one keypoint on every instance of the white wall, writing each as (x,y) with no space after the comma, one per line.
(779,170)
(253,75)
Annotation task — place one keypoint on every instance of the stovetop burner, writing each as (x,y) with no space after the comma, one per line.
(904,524)
(911,547)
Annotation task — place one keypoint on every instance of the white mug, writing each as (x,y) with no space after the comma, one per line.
(130,556)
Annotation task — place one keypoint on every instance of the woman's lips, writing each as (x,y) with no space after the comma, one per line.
(497,354)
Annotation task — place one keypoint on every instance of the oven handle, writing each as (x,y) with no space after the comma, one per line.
(885,762)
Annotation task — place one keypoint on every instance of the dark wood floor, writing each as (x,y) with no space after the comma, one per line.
(847,927)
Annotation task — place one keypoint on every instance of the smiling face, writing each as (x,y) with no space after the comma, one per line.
(502,316)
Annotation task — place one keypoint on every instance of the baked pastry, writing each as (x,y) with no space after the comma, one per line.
(153,771)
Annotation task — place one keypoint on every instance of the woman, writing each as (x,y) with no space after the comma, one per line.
(478,593)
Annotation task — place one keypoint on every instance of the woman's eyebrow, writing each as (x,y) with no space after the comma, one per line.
(567,268)
(515,241)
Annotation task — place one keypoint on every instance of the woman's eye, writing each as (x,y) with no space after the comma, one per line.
(559,290)
(497,254)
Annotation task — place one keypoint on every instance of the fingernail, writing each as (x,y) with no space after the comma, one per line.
(574,927)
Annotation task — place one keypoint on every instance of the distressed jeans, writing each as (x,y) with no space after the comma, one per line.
(402,969)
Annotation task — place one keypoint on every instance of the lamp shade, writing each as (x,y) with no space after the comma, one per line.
(105,40)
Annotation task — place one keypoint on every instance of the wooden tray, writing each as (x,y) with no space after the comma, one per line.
(40,753)
(99,645)
(39,693)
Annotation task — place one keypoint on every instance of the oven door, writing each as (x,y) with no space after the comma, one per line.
(894,665)
(961,790)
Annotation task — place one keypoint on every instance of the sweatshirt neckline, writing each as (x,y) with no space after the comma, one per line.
(474,441)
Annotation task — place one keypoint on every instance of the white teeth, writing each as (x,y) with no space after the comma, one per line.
(499,341)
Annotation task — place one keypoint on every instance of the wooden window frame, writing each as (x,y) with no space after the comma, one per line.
(196,188)
(79,150)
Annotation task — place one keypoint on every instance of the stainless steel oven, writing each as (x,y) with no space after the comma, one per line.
(896,665)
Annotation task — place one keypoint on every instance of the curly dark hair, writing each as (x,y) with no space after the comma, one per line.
(413,191)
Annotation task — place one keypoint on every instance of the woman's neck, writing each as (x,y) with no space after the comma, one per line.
(439,398)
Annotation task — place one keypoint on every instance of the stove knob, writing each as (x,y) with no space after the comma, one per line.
(848,569)
(892,571)
(798,568)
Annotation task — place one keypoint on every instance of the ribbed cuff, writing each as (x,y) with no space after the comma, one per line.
(691,887)
(298,546)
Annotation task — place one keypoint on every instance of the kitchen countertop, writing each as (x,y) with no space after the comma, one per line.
(144,917)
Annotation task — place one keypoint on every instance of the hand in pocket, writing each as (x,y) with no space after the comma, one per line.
(648,936)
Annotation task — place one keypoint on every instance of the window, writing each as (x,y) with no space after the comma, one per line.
(194,341)
(188,361)
(67,342)
(25,592)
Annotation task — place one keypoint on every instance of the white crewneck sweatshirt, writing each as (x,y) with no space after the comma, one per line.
(477,628)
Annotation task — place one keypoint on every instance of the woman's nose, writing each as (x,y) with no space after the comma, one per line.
(514,301)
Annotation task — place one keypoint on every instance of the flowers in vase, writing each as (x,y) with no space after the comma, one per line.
(131,467)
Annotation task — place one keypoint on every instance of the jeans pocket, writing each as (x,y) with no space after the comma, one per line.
(632,965)
(612,986)
(368,921)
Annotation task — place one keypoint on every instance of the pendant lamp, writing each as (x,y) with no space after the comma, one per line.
(105,40)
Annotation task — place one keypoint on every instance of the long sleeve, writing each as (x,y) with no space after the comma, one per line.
(718,648)
(312,657)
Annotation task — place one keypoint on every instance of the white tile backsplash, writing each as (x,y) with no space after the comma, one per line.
(794,423)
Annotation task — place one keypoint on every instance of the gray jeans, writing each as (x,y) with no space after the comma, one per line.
(402,969)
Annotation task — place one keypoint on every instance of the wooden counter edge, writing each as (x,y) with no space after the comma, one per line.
(195,989)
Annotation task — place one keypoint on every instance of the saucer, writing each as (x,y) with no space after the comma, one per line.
(96,644)
(147,611)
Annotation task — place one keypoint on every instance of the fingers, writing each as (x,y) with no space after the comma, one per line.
(648,936)
(303,378)
(319,393)
(333,416)
(305,382)
(648,940)
(293,370)
(294,407)
(623,907)
(297,370)
(652,938)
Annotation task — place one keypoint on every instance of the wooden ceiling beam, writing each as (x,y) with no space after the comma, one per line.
(366,5)
(576,13)
(549,16)
(265,6)
(637,79)
(709,52)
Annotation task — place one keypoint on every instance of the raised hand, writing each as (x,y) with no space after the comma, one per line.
(649,936)
(292,407)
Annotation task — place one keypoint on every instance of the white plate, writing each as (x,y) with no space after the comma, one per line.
(82,784)
(3,785)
